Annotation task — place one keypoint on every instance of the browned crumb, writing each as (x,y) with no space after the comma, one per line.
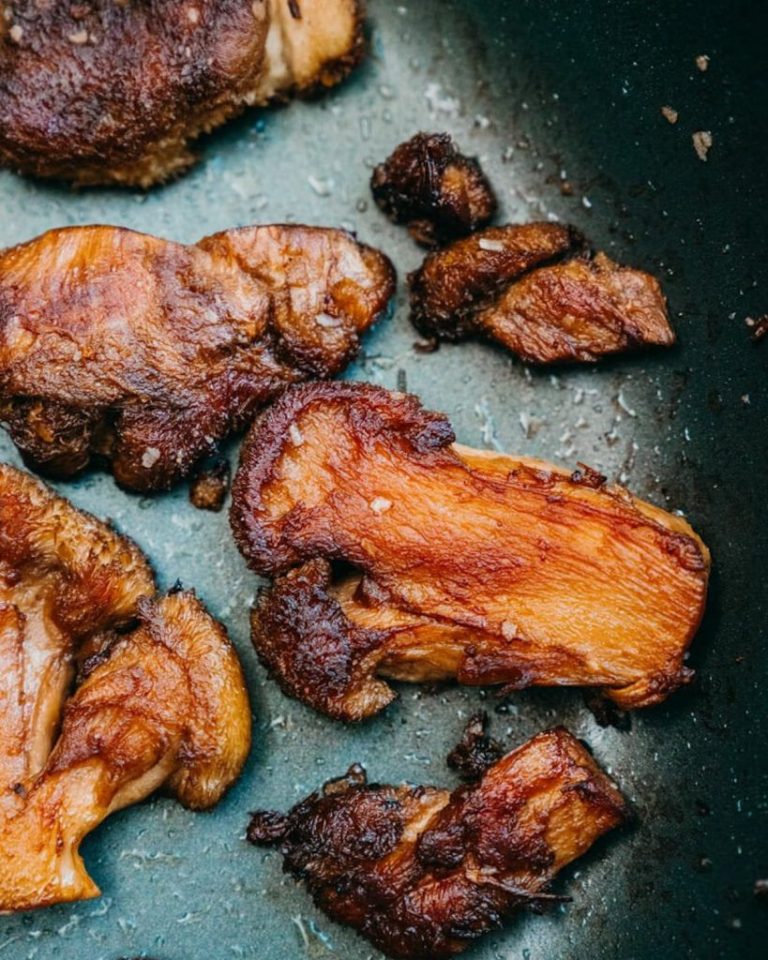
(669,113)
(209,486)
(702,142)
(476,751)
(758,327)
(702,62)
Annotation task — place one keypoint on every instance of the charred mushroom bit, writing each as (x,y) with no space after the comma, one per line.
(208,488)
(465,564)
(108,92)
(145,353)
(536,290)
(422,872)
(439,193)
(159,700)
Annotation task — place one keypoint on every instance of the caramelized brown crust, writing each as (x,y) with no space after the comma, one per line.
(108,92)
(146,353)
(481,567)
(161,703)
(536,290)
(421,872)
(437,191)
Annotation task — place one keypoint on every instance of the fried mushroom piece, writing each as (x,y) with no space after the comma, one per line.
(421,872)
(145,353)
(160,698)
(538,291)
(434,189)
(482,567)
(107,92)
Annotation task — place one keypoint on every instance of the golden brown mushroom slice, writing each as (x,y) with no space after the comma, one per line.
(107,92)
(160,698)
(487,568)
(538,291)
(421,872)
(144,353)
(433,188)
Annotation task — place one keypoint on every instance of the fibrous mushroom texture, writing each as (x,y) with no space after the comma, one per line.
(439,193)
(422,872)
(465,564)
(107,92)
(145,353)
(159,698)
(538,291)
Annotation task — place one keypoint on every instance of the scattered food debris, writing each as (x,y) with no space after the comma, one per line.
(209,487)
(669,113)
(702,62)
(758,327)
(761,889)
(702,141)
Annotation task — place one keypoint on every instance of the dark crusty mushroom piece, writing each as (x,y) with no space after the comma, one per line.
(433,188)
(159,698)
(536,290)
(113,92)
(144,354)
(452,562)
(421,872)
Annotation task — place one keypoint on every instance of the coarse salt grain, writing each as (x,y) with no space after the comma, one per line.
(509,630)
(296,435)
(493,246)
(193,15)
(150,457)
(380,504)
(79,38)
(16,33)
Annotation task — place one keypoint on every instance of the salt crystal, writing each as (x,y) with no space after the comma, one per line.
(326,320)
(380,504)
(493,246)
(150,457)
(296,435)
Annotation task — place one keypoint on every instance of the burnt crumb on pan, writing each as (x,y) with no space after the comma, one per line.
(476,751)
(209,486)
(108,691)
(421,872)
(761,890)
(430,186)
(398,554)
(116,93)
(758,327)
(540,292)
(181,345)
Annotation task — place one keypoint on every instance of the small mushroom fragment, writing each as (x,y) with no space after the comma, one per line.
(535,289)
(421,872)
(159,696)
(486,568)
(430,186)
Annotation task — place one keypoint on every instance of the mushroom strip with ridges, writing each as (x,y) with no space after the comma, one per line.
(465,564)
(423,872)
(143,353)
(159,697)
